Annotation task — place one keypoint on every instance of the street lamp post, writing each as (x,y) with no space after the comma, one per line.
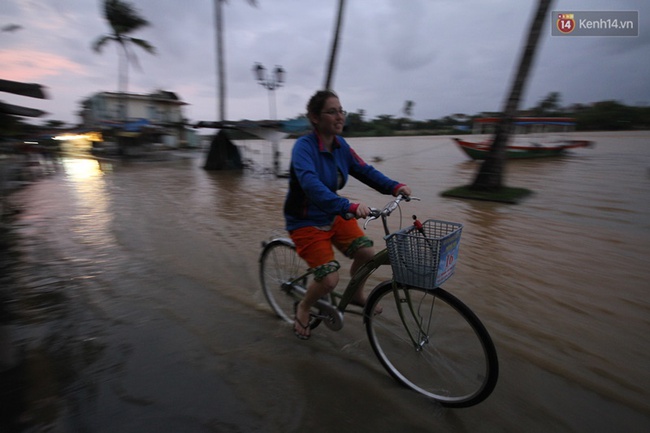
(271,83)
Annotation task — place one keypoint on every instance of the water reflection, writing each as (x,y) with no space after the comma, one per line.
(226,191)
(52,347)
(93,216)
(79,170)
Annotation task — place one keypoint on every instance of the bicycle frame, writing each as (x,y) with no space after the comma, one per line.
(379,259)
(334,317)
(340,300)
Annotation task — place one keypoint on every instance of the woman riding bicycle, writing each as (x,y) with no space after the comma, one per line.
(314,213)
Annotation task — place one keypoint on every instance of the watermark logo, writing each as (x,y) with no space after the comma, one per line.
(595,23)
(565,23)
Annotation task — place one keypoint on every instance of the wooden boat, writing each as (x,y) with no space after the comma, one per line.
(481,149)
(534,137)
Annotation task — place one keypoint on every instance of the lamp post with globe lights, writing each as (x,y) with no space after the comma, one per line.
(271,83)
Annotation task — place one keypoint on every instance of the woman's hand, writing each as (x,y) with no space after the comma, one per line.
(404,190)
(362,211)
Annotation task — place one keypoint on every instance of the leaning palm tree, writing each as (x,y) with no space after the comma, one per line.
(490,175)
(221,70)
(335,45)
(123,19)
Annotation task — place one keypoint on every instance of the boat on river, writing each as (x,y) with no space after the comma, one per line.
(533,137)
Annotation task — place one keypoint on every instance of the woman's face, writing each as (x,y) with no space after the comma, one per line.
(331,119)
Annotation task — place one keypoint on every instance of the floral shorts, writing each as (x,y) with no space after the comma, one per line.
(314,244)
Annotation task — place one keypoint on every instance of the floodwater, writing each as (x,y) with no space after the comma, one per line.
(137,306)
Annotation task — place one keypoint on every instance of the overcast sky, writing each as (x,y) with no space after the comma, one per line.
(447,56)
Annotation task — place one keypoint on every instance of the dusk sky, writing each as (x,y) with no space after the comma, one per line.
(447,56)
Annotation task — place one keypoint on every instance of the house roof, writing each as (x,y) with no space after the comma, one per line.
(31,90)
(160,96)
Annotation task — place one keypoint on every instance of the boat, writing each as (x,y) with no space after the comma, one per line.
(533,137)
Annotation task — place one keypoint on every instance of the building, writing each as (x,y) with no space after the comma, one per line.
(159,113)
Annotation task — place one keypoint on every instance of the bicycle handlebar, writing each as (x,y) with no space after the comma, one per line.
(387,210)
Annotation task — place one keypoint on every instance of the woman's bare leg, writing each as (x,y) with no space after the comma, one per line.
(315,291)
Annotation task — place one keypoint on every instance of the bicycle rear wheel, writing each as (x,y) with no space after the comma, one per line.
(279,264)
(433,343)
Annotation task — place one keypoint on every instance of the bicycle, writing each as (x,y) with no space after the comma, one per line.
(425,337)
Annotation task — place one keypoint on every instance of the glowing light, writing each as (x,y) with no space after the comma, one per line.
(89,136)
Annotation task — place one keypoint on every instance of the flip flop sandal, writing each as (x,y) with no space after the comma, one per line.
(301,336)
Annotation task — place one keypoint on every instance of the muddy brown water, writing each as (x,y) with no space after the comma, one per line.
(138,306)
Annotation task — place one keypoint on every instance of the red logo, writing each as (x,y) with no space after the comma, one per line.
(565,23)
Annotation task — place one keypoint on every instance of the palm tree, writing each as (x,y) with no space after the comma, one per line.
(335,45)
(408,108)
(221,70)
(490,175)
(123,19)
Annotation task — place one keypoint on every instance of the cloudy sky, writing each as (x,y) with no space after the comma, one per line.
(447,56)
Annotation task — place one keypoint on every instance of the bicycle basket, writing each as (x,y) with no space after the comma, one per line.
(424,261)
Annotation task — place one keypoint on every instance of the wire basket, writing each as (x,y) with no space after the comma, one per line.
(424,260)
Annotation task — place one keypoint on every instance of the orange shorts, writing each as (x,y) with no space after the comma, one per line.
(314,244)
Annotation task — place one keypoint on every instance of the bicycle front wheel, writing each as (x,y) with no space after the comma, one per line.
(431,342)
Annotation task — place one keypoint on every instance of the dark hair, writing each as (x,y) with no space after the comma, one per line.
(317,102)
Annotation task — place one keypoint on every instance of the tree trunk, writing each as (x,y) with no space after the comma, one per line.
(490,175)
(122,60)
(122,84)
(123,65)
(335,46)
(221,74)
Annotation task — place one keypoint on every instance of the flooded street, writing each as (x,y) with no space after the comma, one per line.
(136,304)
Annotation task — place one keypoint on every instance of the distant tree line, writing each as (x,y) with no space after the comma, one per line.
(600,116)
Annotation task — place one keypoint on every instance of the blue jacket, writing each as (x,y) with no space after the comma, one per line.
(315,176)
